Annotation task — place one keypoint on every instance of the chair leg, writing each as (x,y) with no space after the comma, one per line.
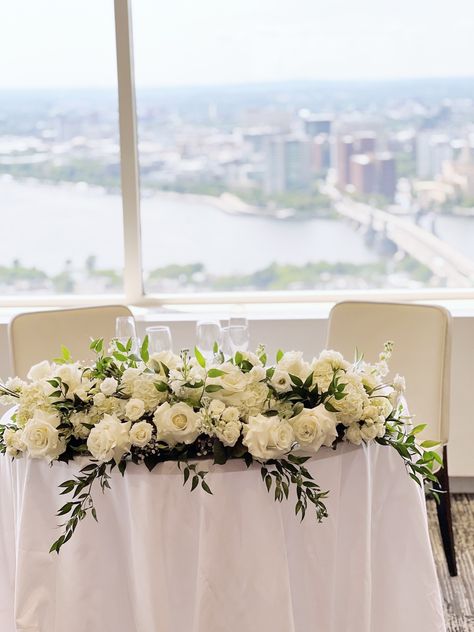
(444,517)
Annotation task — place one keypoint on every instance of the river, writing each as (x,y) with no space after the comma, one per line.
(46,225)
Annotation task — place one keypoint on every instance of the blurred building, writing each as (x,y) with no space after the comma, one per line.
(344,152)
(320,154)
(363,173)
(288,164)
(432,150)
(315,124)
(386,175)
(366,142)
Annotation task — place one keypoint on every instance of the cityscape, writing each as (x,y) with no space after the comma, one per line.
(375,178)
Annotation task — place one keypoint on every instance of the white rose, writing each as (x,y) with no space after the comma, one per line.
(314,427)
(292,362)
(233,380)
(216,407)
(167,358)
(368,432)
(231,413)
(109,439)
(13,440)
(140,434)
(49,417)
(177,423)
(267,437)
(281,381)
(134,409)
(353,434)
(229,435)
(42,440)
(41,371)
(109,386)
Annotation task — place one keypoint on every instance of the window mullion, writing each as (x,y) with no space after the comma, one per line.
(133,284)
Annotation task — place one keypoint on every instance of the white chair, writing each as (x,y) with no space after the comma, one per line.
(36,336)
(422,354)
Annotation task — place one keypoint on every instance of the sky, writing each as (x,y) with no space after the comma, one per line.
(70,43)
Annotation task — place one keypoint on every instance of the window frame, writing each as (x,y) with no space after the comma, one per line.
(134,291)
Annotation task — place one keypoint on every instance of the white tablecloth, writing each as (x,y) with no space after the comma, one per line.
(163,559)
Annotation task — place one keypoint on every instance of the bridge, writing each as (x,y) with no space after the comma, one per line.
(441,258)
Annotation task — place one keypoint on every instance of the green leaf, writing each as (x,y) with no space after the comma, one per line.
(199,357)
(186,475)
(215,347)
(215,373)
(429,444)
(205,487)
(268,482)
(144,354)
(213,388)
(161,386)
(219,452)
(418,429)
(195,482)
(296,380)
(279,355)
(238,358)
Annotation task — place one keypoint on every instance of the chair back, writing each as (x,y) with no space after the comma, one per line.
(37,336)
(422,352)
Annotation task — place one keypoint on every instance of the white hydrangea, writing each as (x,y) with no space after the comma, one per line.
(351,406)
(325,365)
(14,444)
(78,421)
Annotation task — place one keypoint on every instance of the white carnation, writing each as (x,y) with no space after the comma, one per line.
(230,433)
(13,440)
(109,439)
(353,434)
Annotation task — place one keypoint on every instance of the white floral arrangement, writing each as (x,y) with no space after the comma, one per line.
(147,409)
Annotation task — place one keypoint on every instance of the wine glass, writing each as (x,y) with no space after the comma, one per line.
(208,332)
(125,330)
(159,339)
(239,335)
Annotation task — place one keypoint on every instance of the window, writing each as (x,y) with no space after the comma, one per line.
(282,147)
(60,201)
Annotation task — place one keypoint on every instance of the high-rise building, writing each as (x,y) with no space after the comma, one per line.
(363,173)
(345,149)
(315,124)
(365,142)
(432,150)
(386,175)
(320,154)
(288,164)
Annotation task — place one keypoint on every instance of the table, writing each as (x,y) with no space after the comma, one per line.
(163,559)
